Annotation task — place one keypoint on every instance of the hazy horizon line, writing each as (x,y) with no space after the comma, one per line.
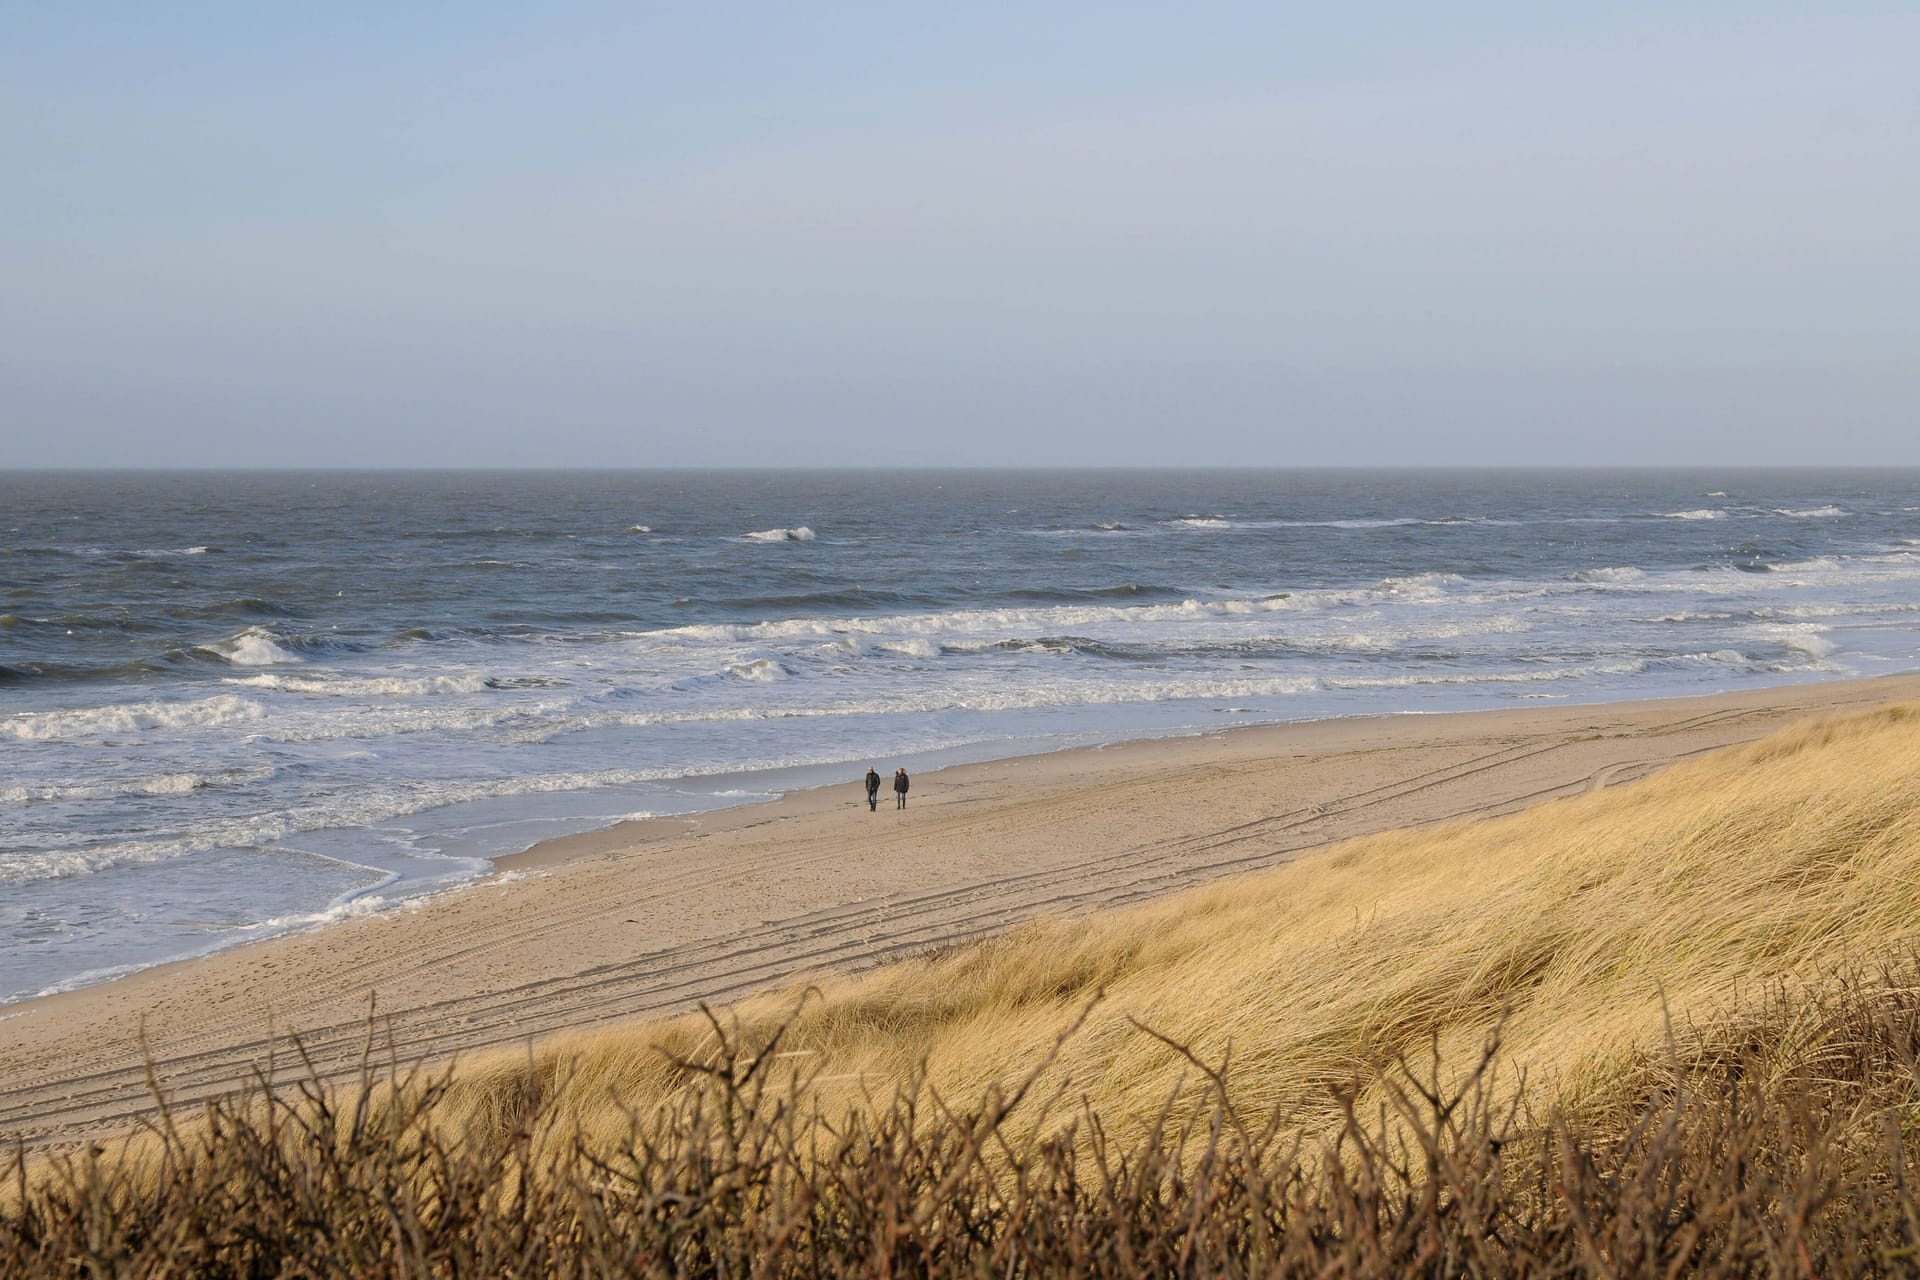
(983,469)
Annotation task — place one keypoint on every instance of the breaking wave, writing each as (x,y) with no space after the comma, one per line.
(223,711)
(377,686)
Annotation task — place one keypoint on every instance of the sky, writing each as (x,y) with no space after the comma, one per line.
(867,235)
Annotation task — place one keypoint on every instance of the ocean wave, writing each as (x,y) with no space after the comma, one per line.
(1697,615)
(165,784)
(1807,638)
(1200,522)
(1103,530)
(1419,586)
(137,717)
(914,648)
(1700,513)
(1810,513)
(1119,591)
(362,687)
(112,618)
(233,606)
(1082,646)
(59,673)
(842,597)
(371,721)
(800,533)
(261,646)
(1812,564)
(1624,573)
(639,528)
(990,694)
(990,625)
(968,622)
(254,647)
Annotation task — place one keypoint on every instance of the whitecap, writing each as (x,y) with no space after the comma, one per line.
(765,670)
(799,534)
(378,686)
(164,784)
(135,717)
(254,647)
(1807,638)
(1701,513)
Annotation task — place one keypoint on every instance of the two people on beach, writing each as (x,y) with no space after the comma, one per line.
(900,784)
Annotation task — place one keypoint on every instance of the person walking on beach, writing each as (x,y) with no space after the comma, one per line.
(899,788)
(873,790)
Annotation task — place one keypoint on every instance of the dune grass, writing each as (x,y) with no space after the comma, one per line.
(1581,926)
(1704,988)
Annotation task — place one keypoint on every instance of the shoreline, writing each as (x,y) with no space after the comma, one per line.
(655,915)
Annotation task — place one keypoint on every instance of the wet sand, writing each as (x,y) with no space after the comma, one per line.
(654,917)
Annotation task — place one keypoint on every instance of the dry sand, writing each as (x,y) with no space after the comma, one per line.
(653,917)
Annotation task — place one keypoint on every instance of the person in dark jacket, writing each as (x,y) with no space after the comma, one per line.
(899,788)
(873,789)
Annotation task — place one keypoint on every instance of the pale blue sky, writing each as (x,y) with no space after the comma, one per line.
(867,234)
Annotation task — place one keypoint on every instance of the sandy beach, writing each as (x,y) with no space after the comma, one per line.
(654,917)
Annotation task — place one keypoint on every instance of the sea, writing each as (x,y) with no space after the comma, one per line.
(238,704)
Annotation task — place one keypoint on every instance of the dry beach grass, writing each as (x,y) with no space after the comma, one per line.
(1578,927)
(1705,980)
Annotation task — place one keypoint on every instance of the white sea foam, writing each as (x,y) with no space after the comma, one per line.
(1202,522)
(254,647)
(1701,513)
(969,622)
(87,979)
(135,717)
(160,553)
(1808,638)
(378,686)
(639,528)
(361,807)
(1420,586)
(799,534)
(164,784)
(1810,513)
(1623,573)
